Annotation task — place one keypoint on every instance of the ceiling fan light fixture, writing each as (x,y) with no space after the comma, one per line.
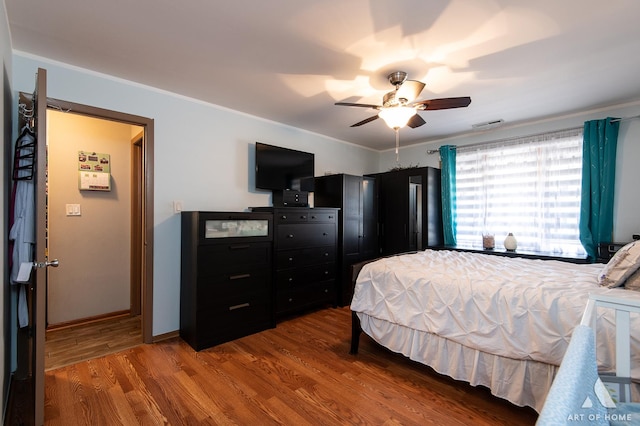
(397,117)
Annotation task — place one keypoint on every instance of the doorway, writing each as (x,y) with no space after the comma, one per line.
(102,237)
(27,390)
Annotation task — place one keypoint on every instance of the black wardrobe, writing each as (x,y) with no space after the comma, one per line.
(410,212)
(356,196)
(380,215)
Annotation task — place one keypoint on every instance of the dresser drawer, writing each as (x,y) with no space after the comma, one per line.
(221,259)
(231,301)
(231,289)
(323,216)
(292,216)
(305,215)
(248,317)
(305,257)
(298,277)
(297,298)
(307,235)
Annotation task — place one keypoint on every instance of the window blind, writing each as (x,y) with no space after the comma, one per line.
(528,186)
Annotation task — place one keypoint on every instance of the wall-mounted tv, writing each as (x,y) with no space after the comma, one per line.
(280,168)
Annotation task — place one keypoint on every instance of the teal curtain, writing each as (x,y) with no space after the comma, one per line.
(598,180)
(448,183)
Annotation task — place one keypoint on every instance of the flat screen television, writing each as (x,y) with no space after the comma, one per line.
(280,169)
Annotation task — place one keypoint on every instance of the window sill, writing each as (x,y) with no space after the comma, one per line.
(519,253)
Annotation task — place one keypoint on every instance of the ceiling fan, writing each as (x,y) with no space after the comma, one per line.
(398,108)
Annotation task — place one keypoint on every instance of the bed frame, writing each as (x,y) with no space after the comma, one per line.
(623,309)
(356,328)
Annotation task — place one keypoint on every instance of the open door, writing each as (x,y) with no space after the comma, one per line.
(41,256)
(29,257)
(26,406)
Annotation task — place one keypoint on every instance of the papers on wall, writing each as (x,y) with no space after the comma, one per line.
(94,171)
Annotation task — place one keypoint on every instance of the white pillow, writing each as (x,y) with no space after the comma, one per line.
(624,263)
(633,282)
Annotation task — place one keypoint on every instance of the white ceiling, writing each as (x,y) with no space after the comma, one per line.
(290,60)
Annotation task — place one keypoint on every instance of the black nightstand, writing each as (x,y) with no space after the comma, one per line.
(607,250)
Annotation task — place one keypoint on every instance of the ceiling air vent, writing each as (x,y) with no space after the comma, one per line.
(488,125)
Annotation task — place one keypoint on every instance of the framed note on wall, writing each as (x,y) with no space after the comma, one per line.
(94,171)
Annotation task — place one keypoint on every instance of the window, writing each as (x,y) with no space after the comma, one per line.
(528,186)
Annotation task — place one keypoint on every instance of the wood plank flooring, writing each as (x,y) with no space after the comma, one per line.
(298,373)
(76,343)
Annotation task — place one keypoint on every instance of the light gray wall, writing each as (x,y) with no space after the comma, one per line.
(204,154)
(5,131)
(627,197)
(203,157)
(93,278)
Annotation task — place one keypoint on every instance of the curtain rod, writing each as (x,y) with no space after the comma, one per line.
(614,120)
(625,118)
(435,151)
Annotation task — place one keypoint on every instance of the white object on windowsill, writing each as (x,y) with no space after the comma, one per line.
(510,243)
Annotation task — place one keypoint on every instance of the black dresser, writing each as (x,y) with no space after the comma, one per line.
(305,247)
(226,276)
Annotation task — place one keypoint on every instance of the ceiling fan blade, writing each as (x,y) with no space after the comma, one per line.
(357,105)
(445,103)
(365,121)
(416,121)
(410,90)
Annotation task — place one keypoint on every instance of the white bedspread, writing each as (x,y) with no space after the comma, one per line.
(512,307)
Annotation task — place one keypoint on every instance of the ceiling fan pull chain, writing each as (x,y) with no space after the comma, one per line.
(397,145)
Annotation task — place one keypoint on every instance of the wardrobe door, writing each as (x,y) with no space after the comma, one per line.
(433,234)
(410,216)
(352,218)
(394,199)
(369,247)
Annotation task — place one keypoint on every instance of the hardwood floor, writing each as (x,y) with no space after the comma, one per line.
(77,343)
(298,373)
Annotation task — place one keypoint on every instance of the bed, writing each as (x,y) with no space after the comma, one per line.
(501,322)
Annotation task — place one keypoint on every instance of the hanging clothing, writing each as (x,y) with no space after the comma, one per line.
(22,231)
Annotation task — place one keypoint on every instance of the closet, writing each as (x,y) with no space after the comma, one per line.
(356,198)
(409,213)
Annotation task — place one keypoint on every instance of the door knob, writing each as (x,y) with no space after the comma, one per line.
(54,263)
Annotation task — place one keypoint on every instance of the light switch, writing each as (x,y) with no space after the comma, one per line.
(177,206)
(73,209)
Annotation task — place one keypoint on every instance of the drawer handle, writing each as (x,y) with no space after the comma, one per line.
(303,217)
(290,236)
(326,254)
(239,277)
(326,272)
(239,247)
(291,259)
(325,234)
(313,217)
(242,305)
